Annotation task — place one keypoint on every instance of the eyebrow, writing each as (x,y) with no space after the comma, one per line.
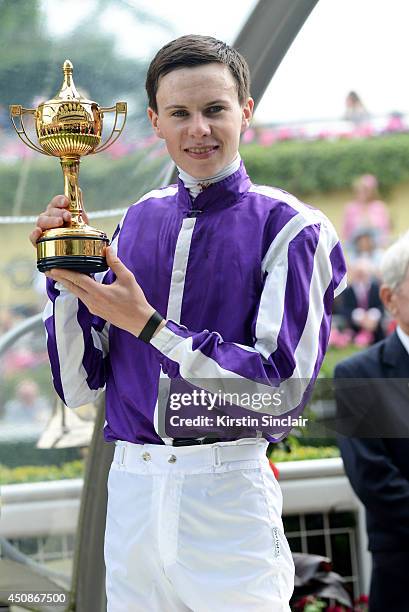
(182,106)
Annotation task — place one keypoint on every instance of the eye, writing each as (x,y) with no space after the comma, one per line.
(179,113)
(214,109)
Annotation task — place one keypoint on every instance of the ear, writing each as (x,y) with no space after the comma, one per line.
(247,113)
(387,297)
(154,120)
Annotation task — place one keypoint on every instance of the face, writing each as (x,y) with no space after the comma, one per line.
(366,189)
(397,302)
(365,244)
(200,117)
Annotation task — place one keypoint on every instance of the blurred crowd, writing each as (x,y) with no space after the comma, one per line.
(359,315)
(23,401)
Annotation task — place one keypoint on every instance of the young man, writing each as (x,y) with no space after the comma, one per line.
(244,278)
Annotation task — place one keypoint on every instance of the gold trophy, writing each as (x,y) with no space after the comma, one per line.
(70,126)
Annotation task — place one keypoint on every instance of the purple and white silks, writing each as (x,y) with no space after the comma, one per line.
(246,276)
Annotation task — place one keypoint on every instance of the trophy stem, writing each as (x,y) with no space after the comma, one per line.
(71,168)
(76,245)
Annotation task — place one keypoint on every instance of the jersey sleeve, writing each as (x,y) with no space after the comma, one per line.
(77,342)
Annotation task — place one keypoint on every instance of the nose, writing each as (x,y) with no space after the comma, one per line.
(199,126)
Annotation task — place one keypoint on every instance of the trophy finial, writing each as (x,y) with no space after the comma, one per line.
(68,67)
(68,90)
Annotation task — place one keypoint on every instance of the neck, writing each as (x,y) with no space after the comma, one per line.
(196,185)
(404,329)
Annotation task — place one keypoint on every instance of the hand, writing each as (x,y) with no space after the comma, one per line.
(54,216)
(123,303)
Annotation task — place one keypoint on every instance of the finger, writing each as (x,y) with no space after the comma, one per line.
(44,222)
(57,212)
(35,235)
(83,281)
(116,265)
(58,201)
(75,289)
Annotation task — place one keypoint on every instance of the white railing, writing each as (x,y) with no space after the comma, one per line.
(39,508)
(317,485)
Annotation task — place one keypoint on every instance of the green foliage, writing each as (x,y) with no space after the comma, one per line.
(32,56)
(323,166)
(334,356)
(315,606)
(301,167)
(301,453)
(105,183)
(24,51)
(35,473)
(13,455)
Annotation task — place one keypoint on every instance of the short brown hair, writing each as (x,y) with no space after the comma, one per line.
(194,50)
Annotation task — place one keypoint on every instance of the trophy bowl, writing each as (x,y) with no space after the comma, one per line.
(69,126)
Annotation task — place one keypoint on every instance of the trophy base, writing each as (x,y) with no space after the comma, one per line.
(78,263)
(72,249)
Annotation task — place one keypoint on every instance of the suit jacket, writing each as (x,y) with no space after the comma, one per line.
(372,397)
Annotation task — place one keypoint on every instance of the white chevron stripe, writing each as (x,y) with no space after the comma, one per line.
(178,278)
(175,300)
(275,263)
(70,348)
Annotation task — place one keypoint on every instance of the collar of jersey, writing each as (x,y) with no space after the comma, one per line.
(217,195)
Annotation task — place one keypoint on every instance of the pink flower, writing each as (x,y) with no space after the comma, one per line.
(340,339)
(267,137)
(248,136)
(285,133)
(363,338)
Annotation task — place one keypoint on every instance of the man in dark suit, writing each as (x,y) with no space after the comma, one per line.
(372,395)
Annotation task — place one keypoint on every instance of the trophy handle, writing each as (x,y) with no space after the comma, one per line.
(121,112)
(16,110)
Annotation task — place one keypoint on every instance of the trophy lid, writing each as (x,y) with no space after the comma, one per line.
(68,90)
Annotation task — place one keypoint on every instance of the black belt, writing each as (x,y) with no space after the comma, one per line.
(193,441)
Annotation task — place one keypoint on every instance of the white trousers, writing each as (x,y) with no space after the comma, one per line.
(195,528)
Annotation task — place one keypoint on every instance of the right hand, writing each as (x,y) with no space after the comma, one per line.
(55,215)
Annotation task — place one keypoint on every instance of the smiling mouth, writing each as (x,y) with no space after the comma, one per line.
(201,150)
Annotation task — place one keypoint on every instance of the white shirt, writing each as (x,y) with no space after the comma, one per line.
(403,337)
(195,185)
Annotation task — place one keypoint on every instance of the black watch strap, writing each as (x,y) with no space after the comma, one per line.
(151,327)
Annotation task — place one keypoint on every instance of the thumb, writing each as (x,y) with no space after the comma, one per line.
(116,264)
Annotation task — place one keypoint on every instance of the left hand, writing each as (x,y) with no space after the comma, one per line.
(122,303)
